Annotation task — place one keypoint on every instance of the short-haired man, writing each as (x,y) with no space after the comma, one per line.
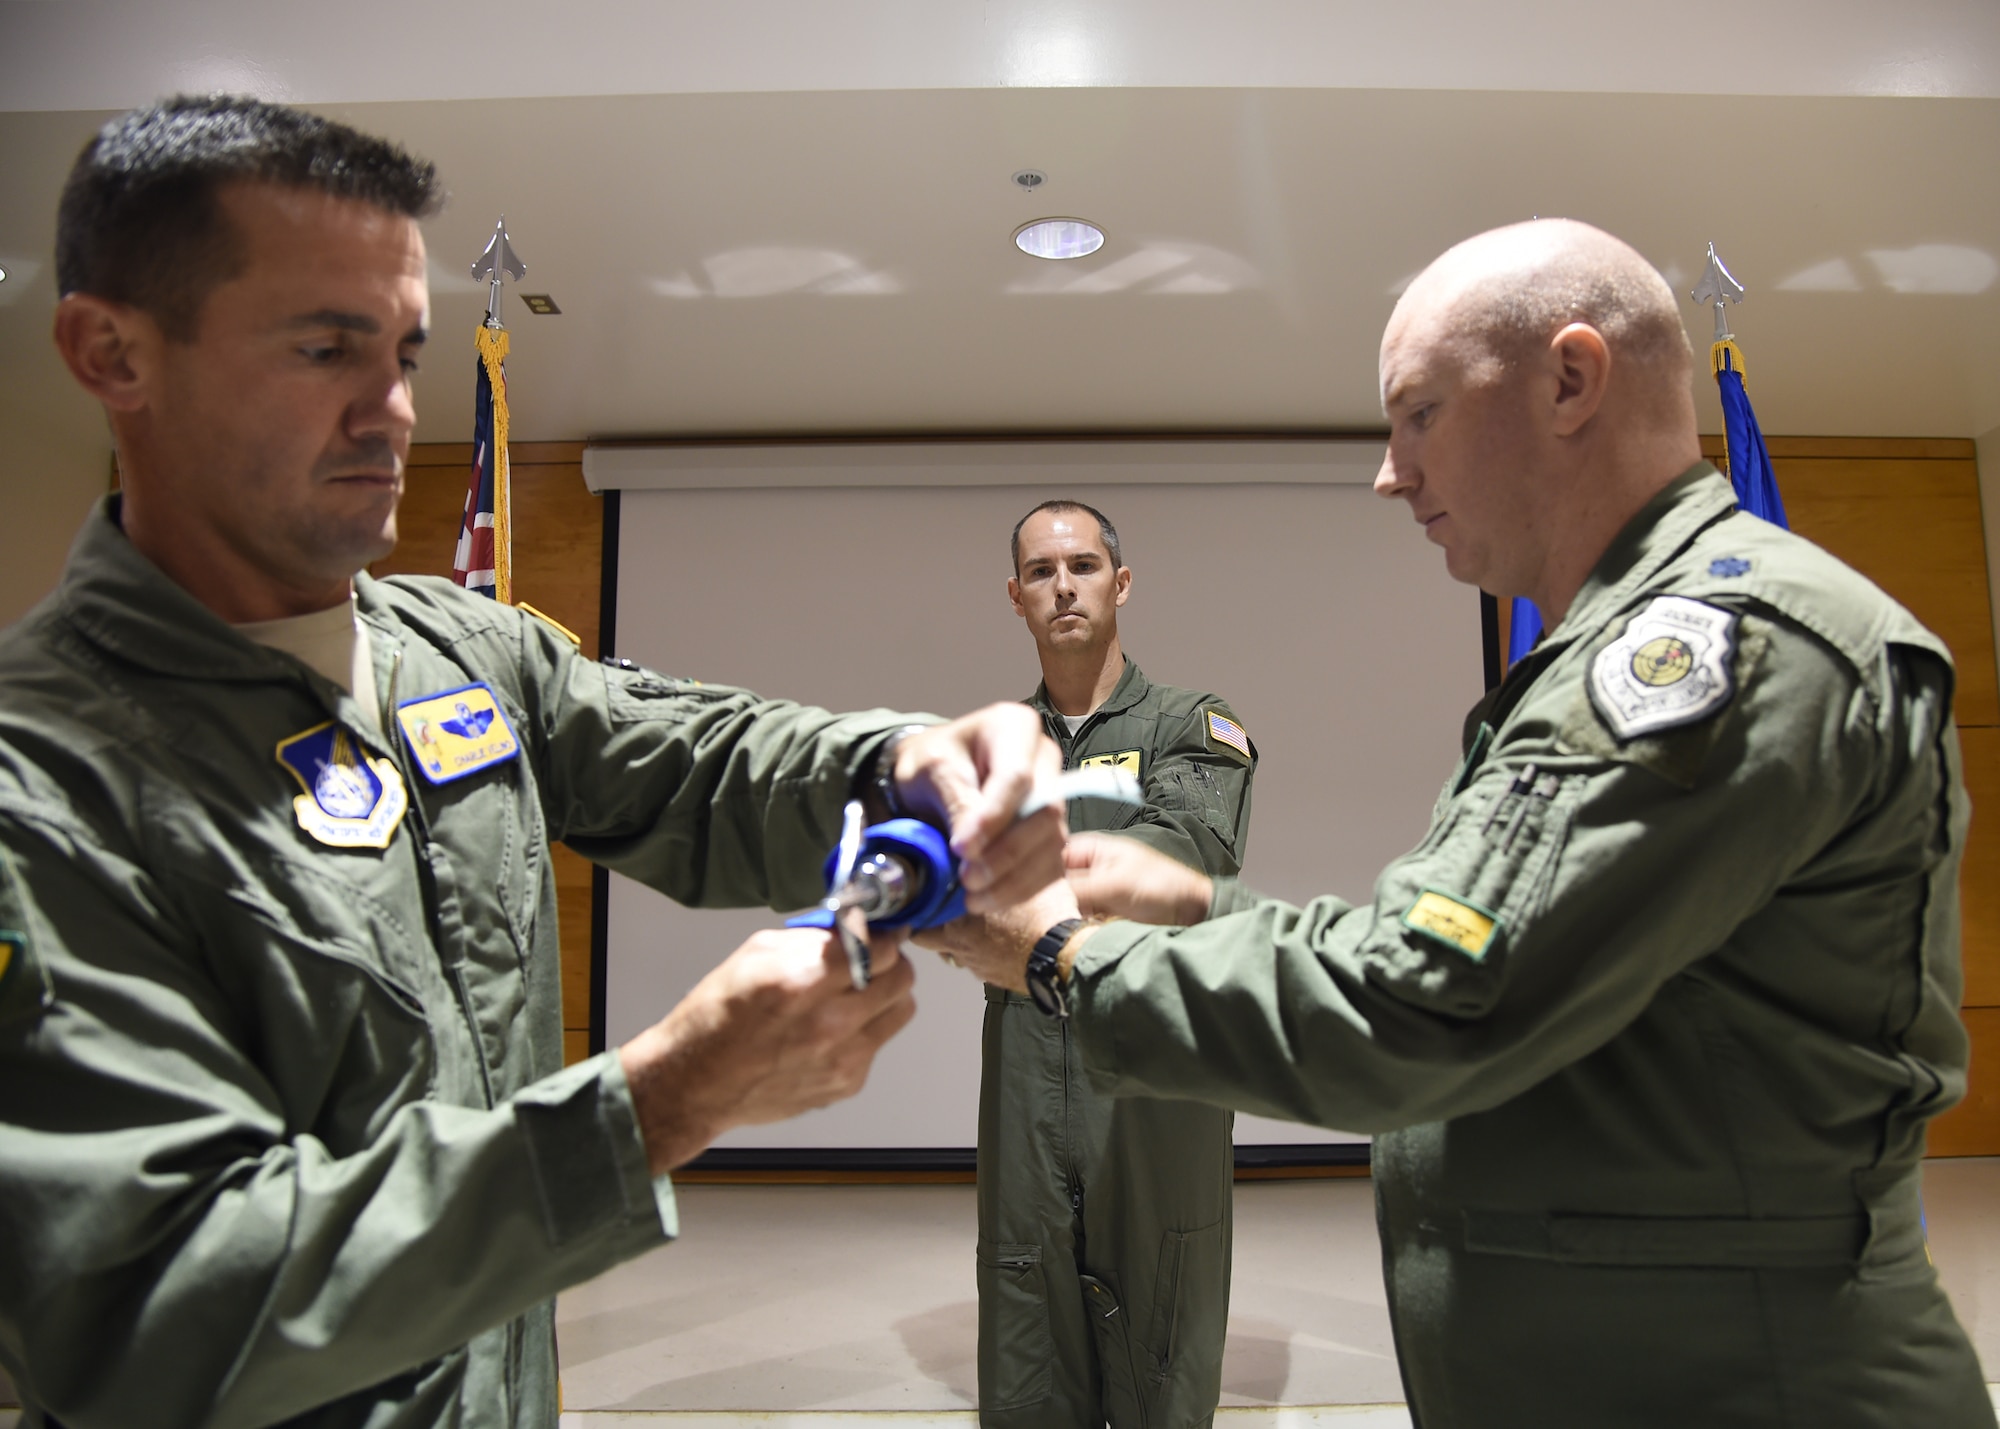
(1104,1224)
(1652,1020)
(285,1134)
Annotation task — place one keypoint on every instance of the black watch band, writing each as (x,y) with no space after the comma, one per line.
(882,779)
(1045,979)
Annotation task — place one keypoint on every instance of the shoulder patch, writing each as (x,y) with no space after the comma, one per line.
(457,732)
(351,798)
(1454,922)
(1126,759)
(1729,567)
(1227,732)
(1670,667)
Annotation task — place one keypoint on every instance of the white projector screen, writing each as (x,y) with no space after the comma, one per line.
(853,576)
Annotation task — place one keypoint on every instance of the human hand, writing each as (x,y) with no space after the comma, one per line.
(776,1029)
(1123,878)
(974,773)
(994,946)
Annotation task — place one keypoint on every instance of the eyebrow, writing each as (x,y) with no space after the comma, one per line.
(352,322)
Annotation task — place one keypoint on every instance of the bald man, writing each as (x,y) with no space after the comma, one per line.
(1651,1022)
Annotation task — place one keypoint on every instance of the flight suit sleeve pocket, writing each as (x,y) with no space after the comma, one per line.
(25,989)
(1016,1348)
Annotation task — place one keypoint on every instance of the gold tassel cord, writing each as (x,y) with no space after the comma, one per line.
(1727,354)
(492,343)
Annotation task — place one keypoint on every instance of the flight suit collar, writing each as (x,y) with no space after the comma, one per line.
(1131,688)
(1693,501)
(124,603)
(1687,505)
(120,601)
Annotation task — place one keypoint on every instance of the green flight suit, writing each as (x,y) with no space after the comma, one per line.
(1651,1025)
(285,1134)
(1103,1257)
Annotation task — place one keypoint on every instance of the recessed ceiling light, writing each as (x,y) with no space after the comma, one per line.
(1059,238)
(3,275)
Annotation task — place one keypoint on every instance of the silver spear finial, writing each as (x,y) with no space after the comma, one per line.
(499,261)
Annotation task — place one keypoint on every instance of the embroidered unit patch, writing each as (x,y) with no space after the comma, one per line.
(457,732)
(1454,922)
(1126,759)
(1729,566)
(1671,667)
(1224,730)
(351,799)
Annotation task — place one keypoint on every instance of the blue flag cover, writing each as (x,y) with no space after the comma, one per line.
(1749,462)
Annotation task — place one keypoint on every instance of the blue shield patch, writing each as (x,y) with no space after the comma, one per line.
(351,799)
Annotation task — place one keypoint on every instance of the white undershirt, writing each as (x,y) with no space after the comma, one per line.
(332,641)
(1075,723)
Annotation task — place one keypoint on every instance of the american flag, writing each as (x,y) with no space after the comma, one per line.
(481,561)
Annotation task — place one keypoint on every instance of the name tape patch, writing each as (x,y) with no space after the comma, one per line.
(457,732)
(1126,759)
(351,798)
(1454,922)
(1671,667)
(1224,730)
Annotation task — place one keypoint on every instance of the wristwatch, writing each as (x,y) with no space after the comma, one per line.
(882,774)
(1045,979)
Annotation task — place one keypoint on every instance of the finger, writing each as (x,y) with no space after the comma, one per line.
(1007,743)
(1080,852)
(1020,864)
(885,950)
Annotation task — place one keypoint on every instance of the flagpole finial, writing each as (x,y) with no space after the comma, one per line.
(1719,288)
(497,261)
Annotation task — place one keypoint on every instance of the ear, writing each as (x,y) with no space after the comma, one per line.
(1123,584)
(1014,597)
(1580,360)
(111,349)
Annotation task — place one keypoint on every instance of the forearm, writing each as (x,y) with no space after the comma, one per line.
(265,1286)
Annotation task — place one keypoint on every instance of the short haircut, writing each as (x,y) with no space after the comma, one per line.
(1104,529)
(140,222)
(1544,275)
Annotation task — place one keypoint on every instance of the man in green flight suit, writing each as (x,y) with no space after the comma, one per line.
(1653,1018)
(285,1133)
(1103,1259)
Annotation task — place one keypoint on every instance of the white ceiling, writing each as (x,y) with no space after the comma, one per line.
(825,249)
(93,54)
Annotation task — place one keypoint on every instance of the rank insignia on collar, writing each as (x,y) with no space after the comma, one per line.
(457,732)
(1671,667)
(351,798)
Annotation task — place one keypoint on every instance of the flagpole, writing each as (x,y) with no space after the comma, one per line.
(496,263)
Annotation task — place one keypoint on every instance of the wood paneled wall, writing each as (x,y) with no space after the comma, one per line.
(558,557)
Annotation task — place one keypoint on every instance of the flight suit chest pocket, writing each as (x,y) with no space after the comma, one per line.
(1016,1348)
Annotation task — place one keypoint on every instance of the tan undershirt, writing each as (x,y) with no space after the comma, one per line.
(332,641)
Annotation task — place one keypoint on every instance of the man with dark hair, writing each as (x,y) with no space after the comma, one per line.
(285,1134)
(1653,1018)
(1104,1230)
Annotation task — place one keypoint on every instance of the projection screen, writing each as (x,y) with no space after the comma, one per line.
(854,575)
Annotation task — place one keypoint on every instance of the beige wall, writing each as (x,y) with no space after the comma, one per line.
(50,482)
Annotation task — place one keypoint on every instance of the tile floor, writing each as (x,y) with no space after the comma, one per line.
(837,1305)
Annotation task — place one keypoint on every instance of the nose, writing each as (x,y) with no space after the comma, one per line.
(1394,479)
(387,409)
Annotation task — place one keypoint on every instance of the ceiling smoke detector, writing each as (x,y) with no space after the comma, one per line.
(1028,180)
(1059,238)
